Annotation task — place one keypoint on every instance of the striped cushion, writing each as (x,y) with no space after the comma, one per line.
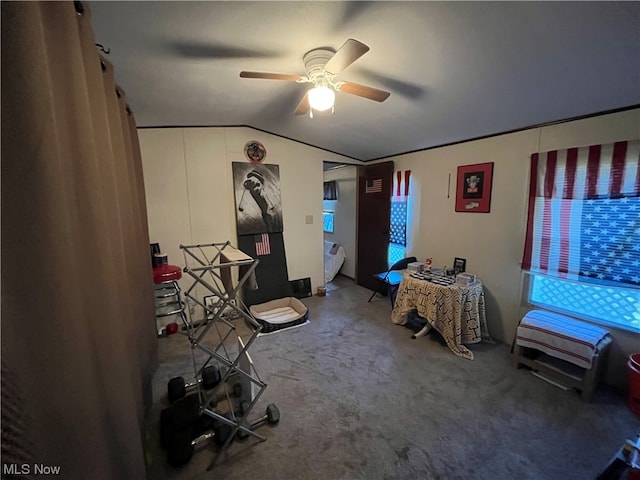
(561,337)
(280,314)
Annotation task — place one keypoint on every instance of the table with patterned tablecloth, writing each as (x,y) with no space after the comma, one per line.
(457,312)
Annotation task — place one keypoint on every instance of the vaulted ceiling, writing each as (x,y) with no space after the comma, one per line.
(455,70)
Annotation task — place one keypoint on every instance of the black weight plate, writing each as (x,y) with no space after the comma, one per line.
(180,448)
(222,431)
(273,413)
(203,424)
(242,435)
(166,427)
(210,377)
(176,389)
(185,412)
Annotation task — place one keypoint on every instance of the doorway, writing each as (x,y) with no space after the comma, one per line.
(339,219)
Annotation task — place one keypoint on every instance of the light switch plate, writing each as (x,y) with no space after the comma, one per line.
(308,219)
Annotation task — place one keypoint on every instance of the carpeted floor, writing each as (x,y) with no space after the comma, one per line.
(360,400)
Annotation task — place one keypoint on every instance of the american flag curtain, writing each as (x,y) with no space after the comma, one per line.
(399,208)
(400,188)
(584,213)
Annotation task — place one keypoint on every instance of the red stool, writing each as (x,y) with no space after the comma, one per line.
(167,298)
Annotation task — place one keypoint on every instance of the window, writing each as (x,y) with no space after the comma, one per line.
(330,190)
(327,221)
(398,233)
(603,304)
(398,226)
(583,233)
(395,253)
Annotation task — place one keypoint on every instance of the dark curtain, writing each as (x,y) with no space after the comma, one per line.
(79,345)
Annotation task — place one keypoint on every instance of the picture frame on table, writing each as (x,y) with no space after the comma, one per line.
(473,188)
(459,265)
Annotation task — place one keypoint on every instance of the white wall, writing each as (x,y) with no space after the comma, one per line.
(345,215)
(492,243)
(190,199)
(188,183)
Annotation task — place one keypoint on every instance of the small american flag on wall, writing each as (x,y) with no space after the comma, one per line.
(373,186)
(262,244)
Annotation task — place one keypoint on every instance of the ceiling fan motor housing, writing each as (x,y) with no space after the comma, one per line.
(314,62)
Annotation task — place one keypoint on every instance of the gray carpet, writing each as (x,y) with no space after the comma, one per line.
(360,400)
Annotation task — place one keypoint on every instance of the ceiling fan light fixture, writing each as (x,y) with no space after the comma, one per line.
(321,98)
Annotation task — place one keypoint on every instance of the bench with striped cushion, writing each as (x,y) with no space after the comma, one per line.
(543,338)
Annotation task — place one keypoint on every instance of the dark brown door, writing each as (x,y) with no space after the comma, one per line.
(375,183)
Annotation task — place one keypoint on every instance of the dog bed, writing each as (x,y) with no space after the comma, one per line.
(280,314)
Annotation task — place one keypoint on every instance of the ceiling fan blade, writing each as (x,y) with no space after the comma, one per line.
(348,53)
(271,76)
(303,106)
(364,91)
(204,50)
(351,12)
(406,89)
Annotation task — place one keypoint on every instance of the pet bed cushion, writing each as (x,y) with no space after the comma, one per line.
(280,313)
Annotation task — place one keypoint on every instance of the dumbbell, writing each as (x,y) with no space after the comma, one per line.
(272,416)
(183,414)
(177,387)
(222,430)
(236,391)
(181,444)
(180,416)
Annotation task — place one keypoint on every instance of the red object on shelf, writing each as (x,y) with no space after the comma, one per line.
(166,273)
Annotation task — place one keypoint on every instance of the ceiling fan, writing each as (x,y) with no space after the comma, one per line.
(322,65)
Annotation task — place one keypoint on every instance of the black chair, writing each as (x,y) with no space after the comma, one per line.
(391,278)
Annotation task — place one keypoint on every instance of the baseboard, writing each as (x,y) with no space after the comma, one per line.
(345,276)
